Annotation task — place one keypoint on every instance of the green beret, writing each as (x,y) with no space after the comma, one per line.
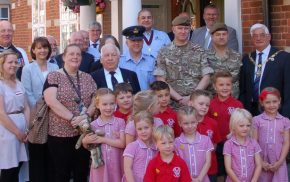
(181,20)
(217,27)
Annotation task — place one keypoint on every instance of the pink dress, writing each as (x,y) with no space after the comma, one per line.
(270,138)
(141,155)
(12,151)
(130,127)
(112,156)
(242,157)
(194,153)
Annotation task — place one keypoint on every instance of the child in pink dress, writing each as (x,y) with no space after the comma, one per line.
(138,153)
(241,151)
(272,133)
(113,142)
(193,147)
(143,101)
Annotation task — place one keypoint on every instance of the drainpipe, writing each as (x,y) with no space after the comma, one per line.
(266,13)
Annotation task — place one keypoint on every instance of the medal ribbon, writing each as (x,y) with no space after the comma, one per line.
(148,42)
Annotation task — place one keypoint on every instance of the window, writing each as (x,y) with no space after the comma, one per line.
(38,18)
(68,24)
(4,12)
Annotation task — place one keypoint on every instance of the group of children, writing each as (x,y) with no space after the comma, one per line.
(146,140)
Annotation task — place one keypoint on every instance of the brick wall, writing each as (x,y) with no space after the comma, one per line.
(20,18)
(252,13)
(279,13)
(52,18)
(107,18)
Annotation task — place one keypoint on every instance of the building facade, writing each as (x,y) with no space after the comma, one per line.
(31,18)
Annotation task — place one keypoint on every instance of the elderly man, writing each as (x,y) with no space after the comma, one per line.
(87,47)
(134,59)
(87,59)
(180,64)
(95,31)
(54,49)
(6,36)
(222,58)
(111,74)
(264,67)
(202,36)
(154,39)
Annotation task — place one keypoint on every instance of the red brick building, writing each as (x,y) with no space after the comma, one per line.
(48,17)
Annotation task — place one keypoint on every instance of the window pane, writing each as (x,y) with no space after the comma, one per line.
(4,13)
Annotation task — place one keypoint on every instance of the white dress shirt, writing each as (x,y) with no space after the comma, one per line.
(117,75)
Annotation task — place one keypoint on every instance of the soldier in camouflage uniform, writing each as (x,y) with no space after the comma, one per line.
(180,64)
(222,58)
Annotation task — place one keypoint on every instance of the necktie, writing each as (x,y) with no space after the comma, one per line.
(113,79)
(206,41)
(257,78)
(95,45)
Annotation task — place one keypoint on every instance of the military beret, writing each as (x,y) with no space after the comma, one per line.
(217,27)
(134,32)
(181,20)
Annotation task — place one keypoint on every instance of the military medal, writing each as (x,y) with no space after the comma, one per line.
(149,49)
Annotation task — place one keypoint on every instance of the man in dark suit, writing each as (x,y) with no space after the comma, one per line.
(87,59)
(111,74)
(265,67)
(202,35)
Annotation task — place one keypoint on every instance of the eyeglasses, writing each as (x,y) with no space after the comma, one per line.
(262,35)
(6,30)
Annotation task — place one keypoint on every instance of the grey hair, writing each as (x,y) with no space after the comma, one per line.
(257,26)
(94,24)
(109,46)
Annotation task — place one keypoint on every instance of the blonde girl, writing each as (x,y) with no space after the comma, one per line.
(14,117)
(193,147)
(112,143)
(138,153)
(241,151)
(271,130)
(143,101)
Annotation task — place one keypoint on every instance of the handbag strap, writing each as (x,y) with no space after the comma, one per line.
(78,88)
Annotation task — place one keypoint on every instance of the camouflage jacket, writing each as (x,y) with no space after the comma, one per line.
(182,66)
(231,62)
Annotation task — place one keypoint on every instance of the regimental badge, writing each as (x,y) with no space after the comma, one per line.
(215,114)
(157,171)
(176,172)
(181,146)
(135,31)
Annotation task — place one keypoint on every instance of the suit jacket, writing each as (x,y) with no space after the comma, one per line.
(33,80)
(276,74)
(198,37)
(86,64)
(128,77)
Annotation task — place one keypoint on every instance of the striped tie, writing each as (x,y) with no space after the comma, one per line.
(257,78)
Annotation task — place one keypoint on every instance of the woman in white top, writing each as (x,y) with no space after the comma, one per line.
(33,78)
(14,116)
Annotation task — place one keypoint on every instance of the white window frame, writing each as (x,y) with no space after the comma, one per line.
(67,18)
(8,10)
(38,25)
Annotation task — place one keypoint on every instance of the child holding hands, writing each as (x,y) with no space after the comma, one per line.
(271,130)
(112,143)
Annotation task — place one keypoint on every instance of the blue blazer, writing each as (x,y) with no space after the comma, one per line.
(33,80)
(128,77)
(276,74)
